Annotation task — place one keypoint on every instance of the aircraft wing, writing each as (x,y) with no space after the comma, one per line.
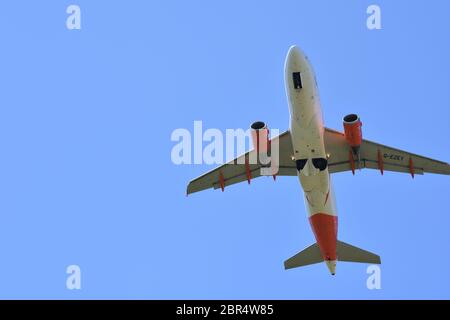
(377,156)
(237,170)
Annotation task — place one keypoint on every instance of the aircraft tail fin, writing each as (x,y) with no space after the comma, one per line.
(349,253)
(344,252)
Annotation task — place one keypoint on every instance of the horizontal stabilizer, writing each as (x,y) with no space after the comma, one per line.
(306,257)
(349,253)
(344,251)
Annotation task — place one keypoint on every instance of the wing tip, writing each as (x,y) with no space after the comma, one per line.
(189,189)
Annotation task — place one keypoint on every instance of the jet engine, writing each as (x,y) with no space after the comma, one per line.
(353,132)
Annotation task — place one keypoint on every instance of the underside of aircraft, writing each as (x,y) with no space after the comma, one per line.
(312,152)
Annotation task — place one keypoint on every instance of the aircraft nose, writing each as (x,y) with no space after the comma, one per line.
(295,59)
(294,52)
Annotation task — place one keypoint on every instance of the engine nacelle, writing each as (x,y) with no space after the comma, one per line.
(353,132)
(260,137)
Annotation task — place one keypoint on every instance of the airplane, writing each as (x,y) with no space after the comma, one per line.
(312,152)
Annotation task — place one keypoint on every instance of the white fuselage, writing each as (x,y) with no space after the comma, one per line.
(307,134)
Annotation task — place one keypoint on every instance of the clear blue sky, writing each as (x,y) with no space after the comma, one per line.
(86,176)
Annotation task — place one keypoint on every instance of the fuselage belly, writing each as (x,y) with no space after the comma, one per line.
(307,134)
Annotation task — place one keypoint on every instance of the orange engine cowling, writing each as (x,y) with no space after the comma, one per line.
(353,132)
(260,137)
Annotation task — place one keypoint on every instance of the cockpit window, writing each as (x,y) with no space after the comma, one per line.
(297,78)
(301,164)
(320,163)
